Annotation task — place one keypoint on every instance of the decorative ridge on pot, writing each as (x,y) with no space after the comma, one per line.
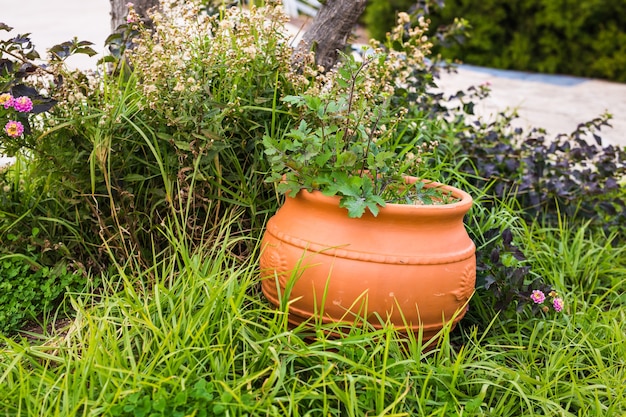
(338,252)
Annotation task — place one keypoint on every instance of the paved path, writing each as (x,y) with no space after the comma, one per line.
(556,103)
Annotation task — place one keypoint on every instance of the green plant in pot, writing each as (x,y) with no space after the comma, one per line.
(360,236)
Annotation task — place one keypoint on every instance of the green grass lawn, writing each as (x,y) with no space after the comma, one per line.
(193,336)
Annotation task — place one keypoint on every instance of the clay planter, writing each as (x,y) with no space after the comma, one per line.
(412,265)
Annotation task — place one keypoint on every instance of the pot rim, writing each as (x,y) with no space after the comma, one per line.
(463,204)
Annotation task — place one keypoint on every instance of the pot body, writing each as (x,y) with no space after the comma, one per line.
(413,266)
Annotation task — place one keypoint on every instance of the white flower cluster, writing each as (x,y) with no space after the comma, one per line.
(189,61)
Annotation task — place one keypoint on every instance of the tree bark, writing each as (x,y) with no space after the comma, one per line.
(119,10)
(330,29)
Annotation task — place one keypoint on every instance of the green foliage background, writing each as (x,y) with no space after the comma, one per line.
(581,38)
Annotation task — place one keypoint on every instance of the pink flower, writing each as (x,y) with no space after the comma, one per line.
(6,100)
(132,16)
(557,303)
(538,296)
(14,129)
(23,104)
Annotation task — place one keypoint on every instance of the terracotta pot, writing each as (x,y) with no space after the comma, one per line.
(413,265)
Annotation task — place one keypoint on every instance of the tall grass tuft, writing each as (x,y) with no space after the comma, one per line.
(191,334)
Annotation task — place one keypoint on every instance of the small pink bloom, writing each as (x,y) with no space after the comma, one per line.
(132,16)
(538,296)
(6,100)
(23,104)
(557,303)
(14,129)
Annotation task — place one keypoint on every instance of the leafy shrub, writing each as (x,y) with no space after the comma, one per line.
(19,101)
(36,267)
(544,181)
(504,279)
(568,175)
(28,288)
(532,35)
(380,16)
(202,399)
(172,130)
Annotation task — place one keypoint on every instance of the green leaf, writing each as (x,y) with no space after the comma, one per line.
(288,188)
(180,399)
(382,158)
(269,151)
(473,405)
(134,178)
(303,126)
(294,100)
(159,404)
(334,106)
(374,203)
(85,50)
(356,205)
(315,104)
(347,159)
(323,158)
(344,185)
(183,146)
(218,409)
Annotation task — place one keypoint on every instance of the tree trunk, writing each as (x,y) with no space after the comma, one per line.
(330,29)
(119,10)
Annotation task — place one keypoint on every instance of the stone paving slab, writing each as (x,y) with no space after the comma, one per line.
(556,103)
